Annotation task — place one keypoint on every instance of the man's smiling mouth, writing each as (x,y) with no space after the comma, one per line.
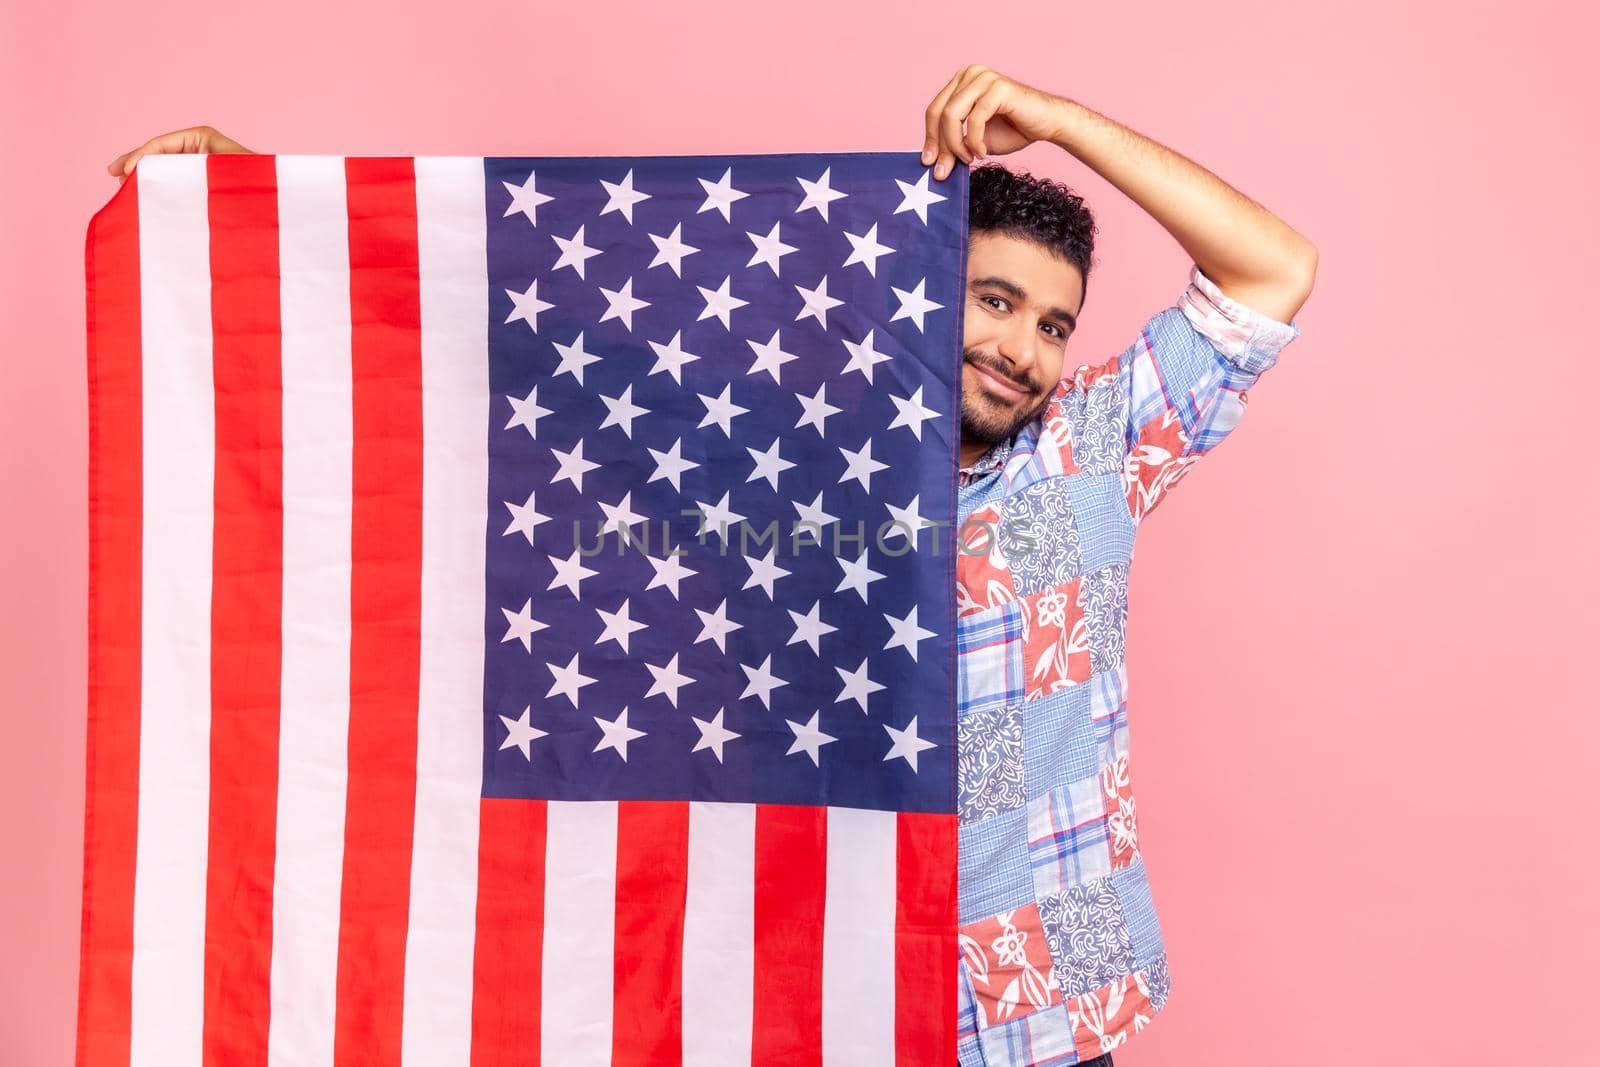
(1002,386)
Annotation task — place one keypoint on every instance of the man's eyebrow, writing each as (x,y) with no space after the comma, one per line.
(1015,291)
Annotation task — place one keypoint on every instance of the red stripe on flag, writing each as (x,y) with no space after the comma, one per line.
(925,940)
(652,886)
(116,455)
(246,607)
(508,952)
(385,609)
(791,896)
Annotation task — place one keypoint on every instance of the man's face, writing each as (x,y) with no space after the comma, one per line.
(1022,305)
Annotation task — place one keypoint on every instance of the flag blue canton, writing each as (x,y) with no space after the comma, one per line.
(723,392)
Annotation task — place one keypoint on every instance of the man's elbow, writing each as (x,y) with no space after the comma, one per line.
(1307,268)
(1294,281)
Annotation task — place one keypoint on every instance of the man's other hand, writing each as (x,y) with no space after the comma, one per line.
(1000,115)
(193,139)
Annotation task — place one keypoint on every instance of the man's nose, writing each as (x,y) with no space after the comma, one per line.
(1019,346)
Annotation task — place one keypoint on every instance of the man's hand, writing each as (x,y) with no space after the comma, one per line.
(1001,116)
(194,139)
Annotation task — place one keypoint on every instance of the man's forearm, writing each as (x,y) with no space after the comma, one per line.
(1252,255)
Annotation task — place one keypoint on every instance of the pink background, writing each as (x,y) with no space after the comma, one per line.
(1360,630)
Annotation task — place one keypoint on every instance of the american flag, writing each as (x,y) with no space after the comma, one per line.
(521,611)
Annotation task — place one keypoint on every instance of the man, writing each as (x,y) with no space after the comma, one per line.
(1061,953)
(1062,957)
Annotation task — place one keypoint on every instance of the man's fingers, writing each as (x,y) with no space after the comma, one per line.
(957,108)
(123,165)
(950,130)
(930,145)
(961,108)
(193,139)
(978,118)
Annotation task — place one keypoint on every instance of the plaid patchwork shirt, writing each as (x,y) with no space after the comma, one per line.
(1061,954)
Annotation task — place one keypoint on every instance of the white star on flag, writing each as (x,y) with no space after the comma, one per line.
(713,735)
(857,686)
(860,465)
(906,632)
(574,253)
(620,516)
(668,679)
(524,518)
(912,413)
(671,357)
(764,571)
(527,412)
(815,410)
(819,194)
(817,302)
(526,306)
(721,194)
(761,682)
(520,732)
(865,249)
(718,517)
(621,411)
(621,196)
(769,249)
(917,197)
(616,734)
(905,744)
(812,513)
(913,305)
(521,625)
(669,572)
(720,410)
(808,738)
(568,680)
(906,522)
(526,199)
(618,626)
(671,250)
(571,466)
(768,464)
(570,572)
(769,357)
(809,627)
(670,464)
(857,575)
(573,358)
(716,626)
(622,304)
(863,357)
(720,302)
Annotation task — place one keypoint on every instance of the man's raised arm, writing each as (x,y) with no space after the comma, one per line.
(1252,255)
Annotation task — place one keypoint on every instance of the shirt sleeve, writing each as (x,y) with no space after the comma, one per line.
(1185,379)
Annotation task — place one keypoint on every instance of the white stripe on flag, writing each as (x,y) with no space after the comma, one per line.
(719,935)
(580,892)
(451,251)
(858,938)
(314,266)
(169,894)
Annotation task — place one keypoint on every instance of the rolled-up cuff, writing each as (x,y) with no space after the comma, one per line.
(1249,339)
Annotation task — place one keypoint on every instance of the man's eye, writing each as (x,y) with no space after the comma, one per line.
(996,299)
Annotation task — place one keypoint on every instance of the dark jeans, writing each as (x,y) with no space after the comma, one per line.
(1102,1060)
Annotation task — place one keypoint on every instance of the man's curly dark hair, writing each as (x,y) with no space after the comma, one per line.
(1035,209)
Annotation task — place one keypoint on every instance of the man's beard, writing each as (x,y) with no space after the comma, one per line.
(985,418)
